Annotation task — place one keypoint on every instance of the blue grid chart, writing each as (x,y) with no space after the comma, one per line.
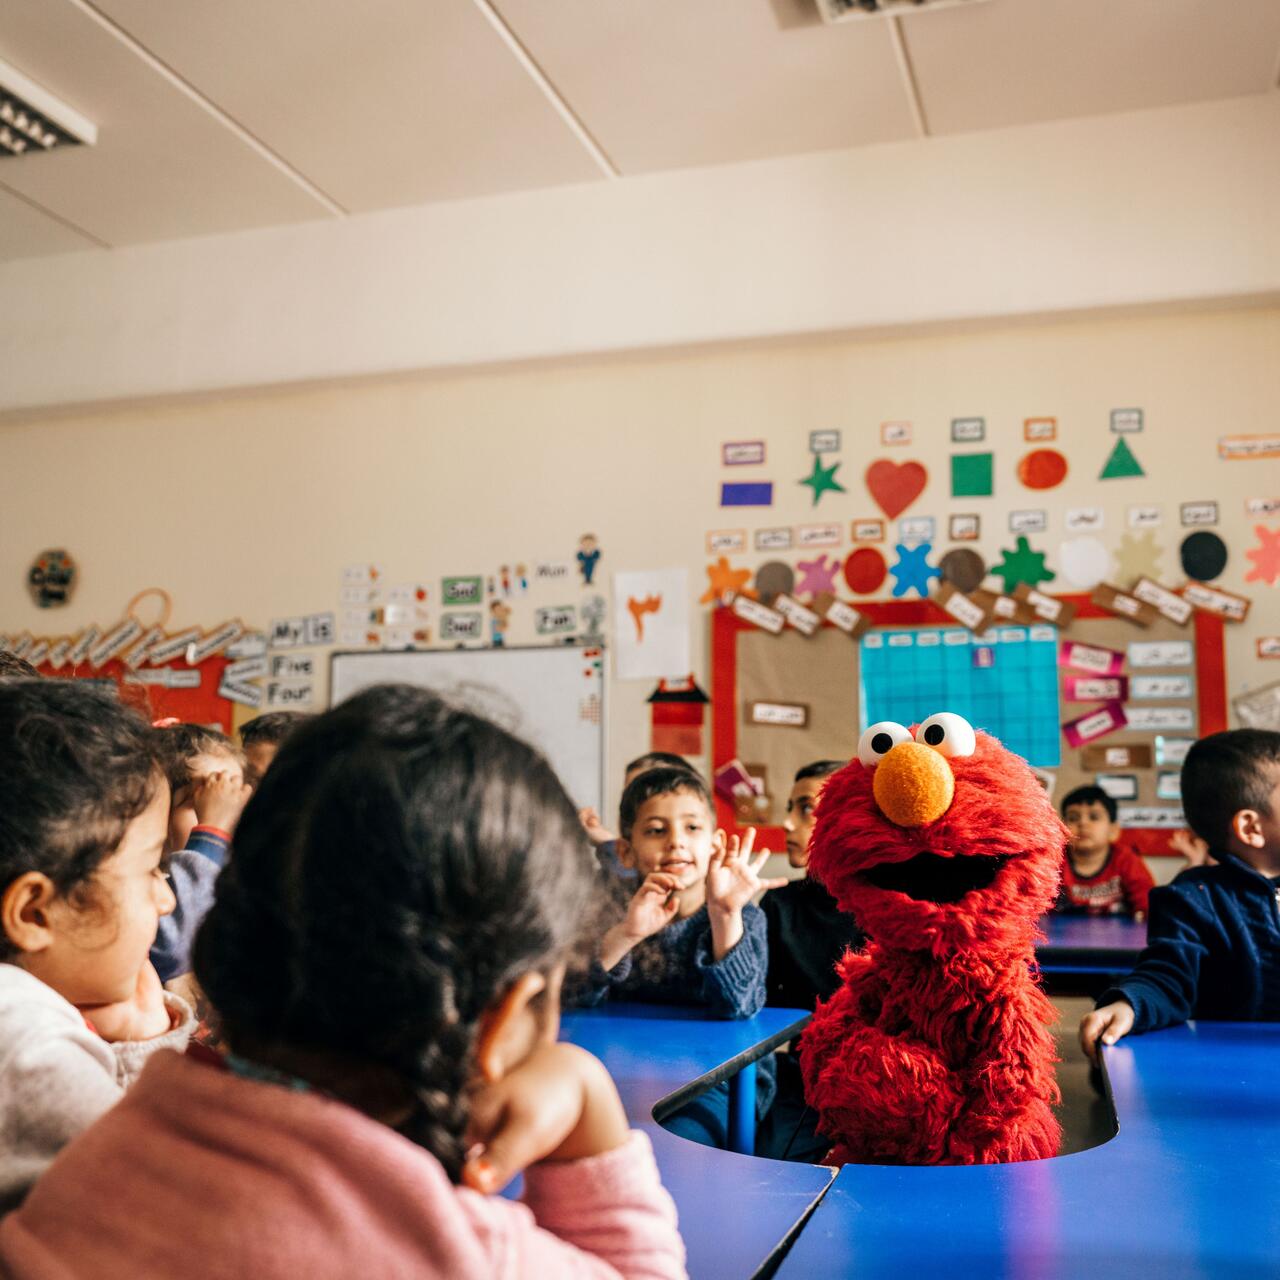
(1004,681)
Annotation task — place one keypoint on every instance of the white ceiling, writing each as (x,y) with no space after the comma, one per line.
(221,116)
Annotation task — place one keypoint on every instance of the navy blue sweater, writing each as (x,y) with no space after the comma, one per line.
(1213,950)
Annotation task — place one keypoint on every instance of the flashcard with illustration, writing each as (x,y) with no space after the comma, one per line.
(651,623)
(588,557)
(1022,564)
(912,570)
(1265,557)
(823,479)
(592,612)
(52,578)
(499,621)
(724,582)
(895,485)
(678,708)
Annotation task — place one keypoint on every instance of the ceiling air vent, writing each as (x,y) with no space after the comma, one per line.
(32,119)
(848,10)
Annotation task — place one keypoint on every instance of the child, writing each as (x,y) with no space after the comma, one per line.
(1100,878)
(1213,948)
(206,777)
(83,809)
(808,933)
(260,739)
(690,934)
(385,954)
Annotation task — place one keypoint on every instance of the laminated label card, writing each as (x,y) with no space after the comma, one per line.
(1088,657)
(1165,818)
(742,453)
(1123,605)
(1096,688)
(1152,719)
(847,618)
(773,539)
(1214,600)
(1134,755)
(1149,687)
(802,619)
(968,430)
(819,535)
(964,609)
(1165,602)
(1161,653)
(791,715)
(1046,608)
(1096,724)
(720,541)
(758,614)
(868,531)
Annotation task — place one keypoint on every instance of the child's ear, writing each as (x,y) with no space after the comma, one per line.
(508,1029)
(625,855)
(24,914)
(1246,826)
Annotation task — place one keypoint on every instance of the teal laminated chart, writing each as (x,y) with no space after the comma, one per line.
(1004,681)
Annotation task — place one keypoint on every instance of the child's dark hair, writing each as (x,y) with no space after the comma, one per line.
(1090,795)
(401,865)
(273,727)
(177,745)
(659,782)
(78,768)
(819,769)
(659,760)
(1224,773)
(13,667)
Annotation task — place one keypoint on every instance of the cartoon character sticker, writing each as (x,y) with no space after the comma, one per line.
(588,557)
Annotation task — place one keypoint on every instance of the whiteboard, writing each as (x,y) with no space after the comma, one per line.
(544,695)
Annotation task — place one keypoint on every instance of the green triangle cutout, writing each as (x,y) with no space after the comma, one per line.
(1121,463)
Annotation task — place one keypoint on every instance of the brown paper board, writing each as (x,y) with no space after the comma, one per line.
(1123,605)
(1132,755)
(963,608)
(1046,608)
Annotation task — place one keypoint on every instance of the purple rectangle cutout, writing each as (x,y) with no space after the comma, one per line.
(756,494)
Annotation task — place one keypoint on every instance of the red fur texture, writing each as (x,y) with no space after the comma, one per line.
(937,1049)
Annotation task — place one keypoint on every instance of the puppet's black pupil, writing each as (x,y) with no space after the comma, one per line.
(881,743)
(934,734)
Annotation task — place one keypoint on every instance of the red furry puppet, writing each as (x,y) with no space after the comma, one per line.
(936,1049)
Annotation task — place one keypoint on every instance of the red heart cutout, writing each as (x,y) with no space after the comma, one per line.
(896,485)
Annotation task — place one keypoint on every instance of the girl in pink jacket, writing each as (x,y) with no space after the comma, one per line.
(385,954)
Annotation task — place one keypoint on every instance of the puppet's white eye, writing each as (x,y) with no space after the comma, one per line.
(949,734)
(879,740)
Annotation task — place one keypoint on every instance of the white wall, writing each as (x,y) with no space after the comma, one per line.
(1150,207)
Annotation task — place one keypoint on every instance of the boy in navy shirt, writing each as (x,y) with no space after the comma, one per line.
(1213,942)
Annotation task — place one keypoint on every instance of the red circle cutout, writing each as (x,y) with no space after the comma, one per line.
(1042,469)
(865,570)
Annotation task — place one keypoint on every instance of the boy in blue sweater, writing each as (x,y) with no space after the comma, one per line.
(690,933)
(1213,941)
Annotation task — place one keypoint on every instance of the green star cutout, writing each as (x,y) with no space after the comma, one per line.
(823,478)
(1022,565)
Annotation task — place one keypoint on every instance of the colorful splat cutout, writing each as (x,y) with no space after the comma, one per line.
(912,570)
(1022,564)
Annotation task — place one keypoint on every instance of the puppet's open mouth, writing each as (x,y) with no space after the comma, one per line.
(929,877)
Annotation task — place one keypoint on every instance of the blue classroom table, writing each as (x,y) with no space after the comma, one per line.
(1187,1190)
(1090,946)
(735,1210)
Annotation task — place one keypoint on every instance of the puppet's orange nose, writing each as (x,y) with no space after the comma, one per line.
(913,785)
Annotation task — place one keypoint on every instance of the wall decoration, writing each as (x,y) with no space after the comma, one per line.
(588,557)
(805,621)
(1203,556)
(726,541)
(1262,506)
(1028,521)
(592,613)
(460,626)
(1092,657)
(1094,725)
(1248,448)
(742,453)
(823,479)
(963,568)
(912,570)
(552,572)
(1123,605)
(790,715)
(724,582)
(759,615)
(895,433)
(1120,463)
(964,528)
(1162,688)
(753,494)
(463,590)
(968,430)
(1139,556)
(1265,557)
(819,535)
(1046,608)
(1042,469)
(1095,688)
(972,475)
(676,718)
(1039,430)
(51,579)
(1198,513)
(816,576)
(1004,608)
(1126,421)
(1225,604)
(285,633)
(963,608)
(868,530)
(1119,786)
(1167,603)
(1134,755)
(556,620)
(1145,517)
(1084,519)
(1022,565)
(824,441)
(651,623)
(1268,646)
(773,539)
(1259,709)
(842,615)
(499,621)
(895,485)
(773,579)
(1161,653)
(917,529)
(865,570)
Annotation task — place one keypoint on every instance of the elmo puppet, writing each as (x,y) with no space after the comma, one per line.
(936,1049)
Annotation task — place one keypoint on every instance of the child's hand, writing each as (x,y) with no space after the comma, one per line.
(218,800)
(559,1104)
(733,879)
(596,831)
(652,907)
(1107,1024)
(142,1017)
(1195,850)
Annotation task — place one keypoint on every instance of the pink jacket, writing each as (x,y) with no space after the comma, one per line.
(201,1174)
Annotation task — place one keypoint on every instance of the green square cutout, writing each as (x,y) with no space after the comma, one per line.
(971,475)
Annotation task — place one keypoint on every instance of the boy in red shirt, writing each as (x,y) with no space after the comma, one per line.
(1100,878)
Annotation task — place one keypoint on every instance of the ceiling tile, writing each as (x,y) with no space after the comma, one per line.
(1012,62)
(381,103)
(27,232)
(665,84)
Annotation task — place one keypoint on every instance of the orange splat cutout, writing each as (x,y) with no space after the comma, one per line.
(638,608)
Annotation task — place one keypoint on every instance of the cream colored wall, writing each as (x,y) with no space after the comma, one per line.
(251,505)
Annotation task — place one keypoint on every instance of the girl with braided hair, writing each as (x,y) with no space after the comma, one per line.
(384,955)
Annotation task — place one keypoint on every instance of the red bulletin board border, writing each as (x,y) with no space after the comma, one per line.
(1211,689)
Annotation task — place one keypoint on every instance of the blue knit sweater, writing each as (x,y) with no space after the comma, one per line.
(192,872)
(1213,950)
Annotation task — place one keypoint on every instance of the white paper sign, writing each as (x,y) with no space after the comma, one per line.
(1166,818)
(1082,519)
(292,666)
(247,695)
(804,620)
(818,535)
(968,430)
(824,441)
(1028,521)
(758,614)
(726,541)
(1160,687)
(1262,506)
(552,571)
(245,669)
(651,624)
(320,628)
(289,693)
(916,529)
(1196,513)
(253,644)
(773,539)
(1161,719)
(895,433)
(1125,422)
(174,647)
(1160,653)
(1144,517)
(285,633)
